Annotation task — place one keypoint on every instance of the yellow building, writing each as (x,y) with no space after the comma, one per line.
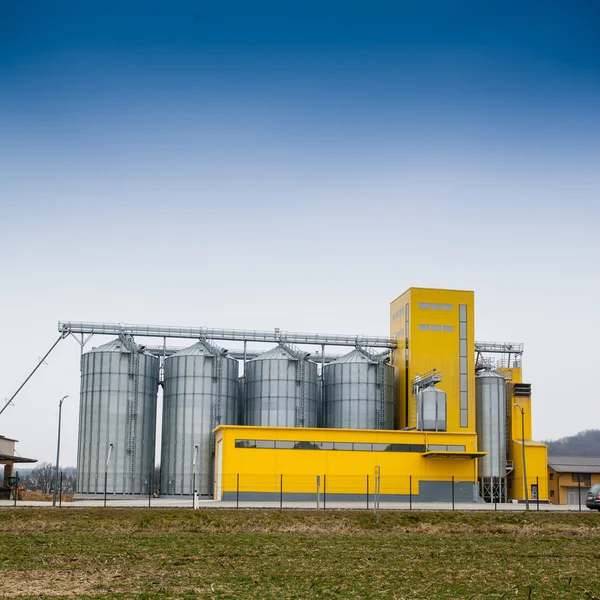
(435,330)
(261,463)
(435,351)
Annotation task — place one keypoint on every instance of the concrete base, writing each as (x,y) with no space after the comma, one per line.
(430,491)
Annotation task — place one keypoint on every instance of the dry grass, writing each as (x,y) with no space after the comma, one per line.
(217,554)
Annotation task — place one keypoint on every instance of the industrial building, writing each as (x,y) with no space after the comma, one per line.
(427,413)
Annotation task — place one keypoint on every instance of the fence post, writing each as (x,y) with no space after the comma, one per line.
(105,486)
(537,487)
(194,490)
(149,487)
(367,491)
(60,495)
(579,491)
(452,492)
(410,492)
(494,492)
(324,492)
(237,492)
(281,491)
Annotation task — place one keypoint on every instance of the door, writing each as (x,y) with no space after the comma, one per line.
(573,495)
(218,469)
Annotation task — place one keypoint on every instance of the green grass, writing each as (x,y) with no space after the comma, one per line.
(170,553)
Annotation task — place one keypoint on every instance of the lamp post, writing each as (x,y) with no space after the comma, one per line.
(524,466)
(57,449)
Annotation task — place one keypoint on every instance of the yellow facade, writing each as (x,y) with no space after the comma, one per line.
(536,462)
(427,325)
(434,459)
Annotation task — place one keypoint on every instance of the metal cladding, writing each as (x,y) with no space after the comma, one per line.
(490,397)
(281,389)
(200,393)
(117,419)
(358,392)
(431,410)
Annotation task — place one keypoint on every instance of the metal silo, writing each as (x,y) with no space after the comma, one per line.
(281,389)
(358,392)
(431,409)
(117,421)
(200,393)
(490,398)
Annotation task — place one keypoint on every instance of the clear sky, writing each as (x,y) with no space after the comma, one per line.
(297,165)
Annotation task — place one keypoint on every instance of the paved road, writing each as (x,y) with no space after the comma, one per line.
(187,503)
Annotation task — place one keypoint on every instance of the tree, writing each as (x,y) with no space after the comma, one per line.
(41,479)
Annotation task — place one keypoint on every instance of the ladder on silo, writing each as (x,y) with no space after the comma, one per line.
(134,375)
(300,381)
(217,404)
(380,384)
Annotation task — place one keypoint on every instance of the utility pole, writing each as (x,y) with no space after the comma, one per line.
(57,450)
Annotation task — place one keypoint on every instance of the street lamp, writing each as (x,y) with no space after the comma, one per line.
(57,450)
(524,467)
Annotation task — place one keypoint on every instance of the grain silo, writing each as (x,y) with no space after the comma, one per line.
(281,389)
(490,398)
(200,393)
(358,392)
(117,419)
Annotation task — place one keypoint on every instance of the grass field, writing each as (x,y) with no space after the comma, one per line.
(179,553)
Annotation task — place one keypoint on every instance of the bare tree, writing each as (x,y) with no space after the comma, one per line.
(41,479)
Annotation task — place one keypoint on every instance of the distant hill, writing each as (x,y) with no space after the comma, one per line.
(584,443)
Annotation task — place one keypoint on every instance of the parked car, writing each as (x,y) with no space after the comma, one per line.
(593,497)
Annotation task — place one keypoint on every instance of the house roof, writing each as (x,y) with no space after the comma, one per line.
(574,464)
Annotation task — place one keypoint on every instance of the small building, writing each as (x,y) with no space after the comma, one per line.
(570,477)
(8,458)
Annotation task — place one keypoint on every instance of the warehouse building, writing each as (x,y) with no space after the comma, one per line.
(427,413)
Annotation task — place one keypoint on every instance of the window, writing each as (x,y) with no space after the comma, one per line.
(423,327)
(342,445)
(265,443)
(436,328)
(446,306)
(346,446)
(324,445)
(424,305)
(583,478)
(434,306)
(447,328)
(464,389)
(445,448)
(285,444)
(363,447)
(551,476)
(380,447)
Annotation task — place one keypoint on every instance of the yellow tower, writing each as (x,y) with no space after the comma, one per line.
(435,330)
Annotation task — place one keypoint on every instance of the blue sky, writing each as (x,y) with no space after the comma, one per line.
(297,166)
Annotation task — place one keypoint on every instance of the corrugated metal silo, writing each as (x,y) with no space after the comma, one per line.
(200,393)
(358,392)
(117,420)
(431,410)
(281,389)
(490,398)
